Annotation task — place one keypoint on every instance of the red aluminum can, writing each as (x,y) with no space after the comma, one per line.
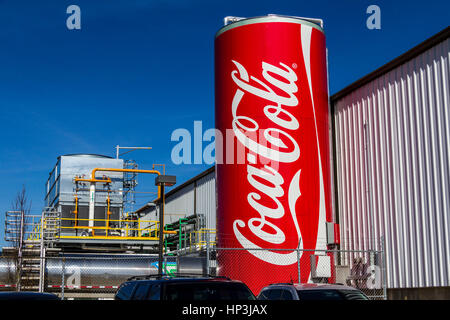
(273,175)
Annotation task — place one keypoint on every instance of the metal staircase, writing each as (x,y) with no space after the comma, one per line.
(29,267)
(31,237)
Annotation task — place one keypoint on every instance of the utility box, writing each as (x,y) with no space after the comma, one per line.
(332,233)
(320,266)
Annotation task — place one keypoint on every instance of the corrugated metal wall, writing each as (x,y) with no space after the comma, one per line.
(392,140)
(181,203)
(206,199)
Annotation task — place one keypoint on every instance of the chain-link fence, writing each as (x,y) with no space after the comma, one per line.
(89,276)
(99,276)
(364,270)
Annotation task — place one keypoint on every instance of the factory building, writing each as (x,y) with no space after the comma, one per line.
(391,138)
(191,208)
(84,240)
(392,164)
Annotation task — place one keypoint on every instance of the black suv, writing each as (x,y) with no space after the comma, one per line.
(183,289)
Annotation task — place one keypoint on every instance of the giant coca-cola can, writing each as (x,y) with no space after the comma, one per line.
(273,159)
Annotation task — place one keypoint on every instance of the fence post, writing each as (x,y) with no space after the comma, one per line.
(383,248)
(207,253)
(165,265)
(62,277)
(298,266)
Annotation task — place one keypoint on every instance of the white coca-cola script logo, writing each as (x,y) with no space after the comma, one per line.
(277,112)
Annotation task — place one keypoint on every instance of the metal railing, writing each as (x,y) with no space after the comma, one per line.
(124,229)
(17,226)
(196,240)
(203,238)
(52,227)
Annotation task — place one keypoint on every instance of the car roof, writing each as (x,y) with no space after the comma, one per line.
(27,295)
(307,286)
(202,279)
(314,286)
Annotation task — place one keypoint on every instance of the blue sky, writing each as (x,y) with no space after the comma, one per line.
(138,70)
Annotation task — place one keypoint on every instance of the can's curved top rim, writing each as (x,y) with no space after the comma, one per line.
(264,19)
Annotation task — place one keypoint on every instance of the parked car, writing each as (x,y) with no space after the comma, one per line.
(24,295)
(310,291)
(184,289)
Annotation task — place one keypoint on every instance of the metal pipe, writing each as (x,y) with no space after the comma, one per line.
(102,190)
(106,180)
(91,206)
(92,187)
(92,181)
(160,195)
(108,212)
(94,171)
(100,270)
(161,165)
(132,149)
(161,230)
(76,210)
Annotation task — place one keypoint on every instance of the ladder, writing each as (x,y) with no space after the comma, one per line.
(29,266)
(31,237)
(49,233)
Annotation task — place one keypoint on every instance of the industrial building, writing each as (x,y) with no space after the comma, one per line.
(85,240)
(392,165)
(190,208)
(391,134)
(391,138)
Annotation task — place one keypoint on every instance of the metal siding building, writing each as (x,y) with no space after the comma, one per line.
(179,204)
(196,196)
(206,199)
(392,139)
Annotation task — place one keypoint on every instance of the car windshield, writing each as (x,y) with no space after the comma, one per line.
(208,291)
(353,295)
(330,294)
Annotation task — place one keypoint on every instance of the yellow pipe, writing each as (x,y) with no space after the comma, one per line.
(76,209)
(108,201)
(76,205)
(123,170)
(161,165)
(170,232)
(127,170)
(107,214)
(94,171)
